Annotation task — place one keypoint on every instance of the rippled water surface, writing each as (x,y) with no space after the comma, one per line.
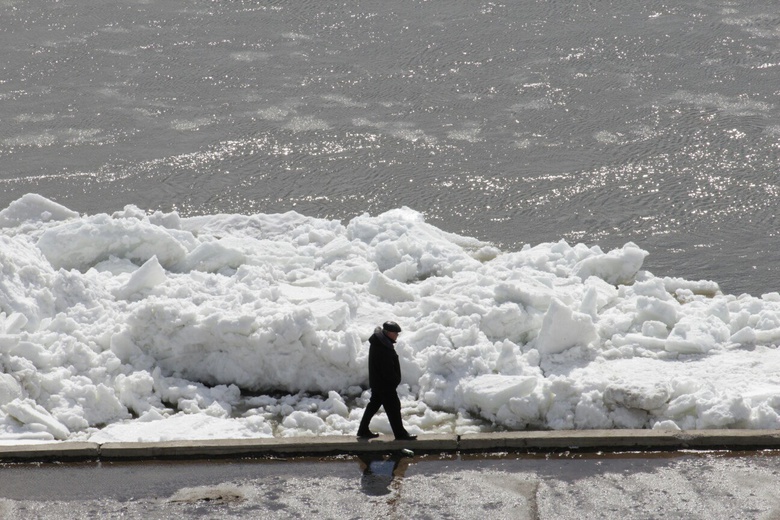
(516,122)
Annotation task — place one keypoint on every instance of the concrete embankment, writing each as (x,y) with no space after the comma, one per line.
(520,442)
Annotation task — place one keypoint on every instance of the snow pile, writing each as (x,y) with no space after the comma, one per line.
(149,326)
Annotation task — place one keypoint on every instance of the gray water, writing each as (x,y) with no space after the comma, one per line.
(518,122)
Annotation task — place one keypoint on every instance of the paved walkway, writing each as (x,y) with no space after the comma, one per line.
(532,441)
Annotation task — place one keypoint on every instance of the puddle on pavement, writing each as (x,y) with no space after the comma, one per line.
(379,472)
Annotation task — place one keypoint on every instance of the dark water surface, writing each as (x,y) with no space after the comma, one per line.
(518,122)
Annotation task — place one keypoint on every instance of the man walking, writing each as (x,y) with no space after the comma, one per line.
(384,375)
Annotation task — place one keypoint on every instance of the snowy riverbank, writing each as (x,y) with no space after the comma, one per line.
(150,326)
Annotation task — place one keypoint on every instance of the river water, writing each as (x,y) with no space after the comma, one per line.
(515,122)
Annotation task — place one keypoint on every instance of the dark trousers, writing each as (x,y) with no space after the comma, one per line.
(392,406)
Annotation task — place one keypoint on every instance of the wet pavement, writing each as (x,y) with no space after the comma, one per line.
(681,485)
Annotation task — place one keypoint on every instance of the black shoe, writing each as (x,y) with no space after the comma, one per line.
(367,435)
(406,437)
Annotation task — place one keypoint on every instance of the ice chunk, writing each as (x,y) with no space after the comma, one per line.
(33,207)
(10,389)
(563,328)
(83,243)
(149,275)
(28,412)
(619,266)
(388,290)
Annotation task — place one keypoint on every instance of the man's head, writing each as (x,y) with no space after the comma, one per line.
(391,329)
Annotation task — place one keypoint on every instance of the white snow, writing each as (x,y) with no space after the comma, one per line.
(150,326)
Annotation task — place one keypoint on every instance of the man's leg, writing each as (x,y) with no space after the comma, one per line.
(371,408)
(393,410)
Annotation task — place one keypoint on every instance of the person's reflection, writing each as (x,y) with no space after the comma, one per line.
(379,472)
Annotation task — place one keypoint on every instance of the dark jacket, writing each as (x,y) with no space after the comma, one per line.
(384,370)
